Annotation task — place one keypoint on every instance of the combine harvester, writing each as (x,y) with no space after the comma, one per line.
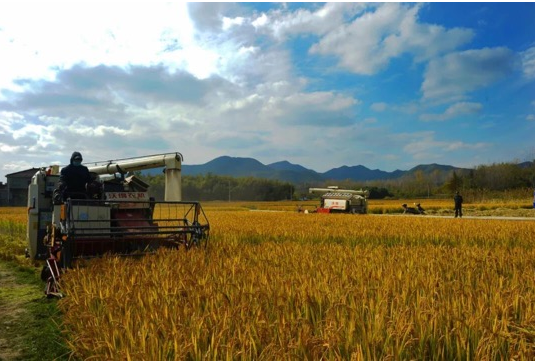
(334,200)
(115,216)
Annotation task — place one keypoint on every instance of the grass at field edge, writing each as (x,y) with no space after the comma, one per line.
(30,323)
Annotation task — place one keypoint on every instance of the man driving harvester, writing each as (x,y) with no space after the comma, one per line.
(74,178)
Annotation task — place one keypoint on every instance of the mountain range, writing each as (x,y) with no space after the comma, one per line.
(286,171)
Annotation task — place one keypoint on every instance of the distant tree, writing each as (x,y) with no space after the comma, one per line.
(501,176)
(379,192)
(455,183)
(215,187)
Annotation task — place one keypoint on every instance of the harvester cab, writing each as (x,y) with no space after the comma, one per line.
(116,215)
(334,200)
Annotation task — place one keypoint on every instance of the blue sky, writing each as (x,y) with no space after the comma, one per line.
(384,85)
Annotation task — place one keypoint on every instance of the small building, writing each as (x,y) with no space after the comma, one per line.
(3,194)
(17,187)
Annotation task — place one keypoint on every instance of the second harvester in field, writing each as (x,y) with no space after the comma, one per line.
(334,200)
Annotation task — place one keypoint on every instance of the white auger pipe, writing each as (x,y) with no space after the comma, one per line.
(171,161)
(352,192)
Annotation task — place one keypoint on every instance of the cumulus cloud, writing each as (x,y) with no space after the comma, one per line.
(458,73)
(317,20)
(103,108)
(425,146)
(113,37)
(317,108)
(207,17)
(21,137)
(368,44)
(528,63)
(453,111)
(233,140)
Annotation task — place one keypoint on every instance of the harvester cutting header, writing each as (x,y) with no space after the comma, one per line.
(113,214)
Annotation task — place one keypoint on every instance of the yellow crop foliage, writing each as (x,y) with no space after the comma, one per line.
(289,286)
(12,232)
(14,214)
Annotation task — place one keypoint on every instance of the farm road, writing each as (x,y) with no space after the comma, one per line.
(512,218)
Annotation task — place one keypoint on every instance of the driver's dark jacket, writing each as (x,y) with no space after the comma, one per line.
(72,180)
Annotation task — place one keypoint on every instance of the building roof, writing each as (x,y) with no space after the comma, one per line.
(26,173)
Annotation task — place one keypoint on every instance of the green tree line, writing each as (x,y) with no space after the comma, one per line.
(211,187)
(492,179)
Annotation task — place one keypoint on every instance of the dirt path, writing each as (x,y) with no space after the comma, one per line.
(479,217)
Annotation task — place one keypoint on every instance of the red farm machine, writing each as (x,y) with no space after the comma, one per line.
(334,200)
(116,216)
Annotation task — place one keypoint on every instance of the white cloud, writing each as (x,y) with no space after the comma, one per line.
(260,21)
(229,23)
(455,110)
(8,119)
(98,131)
(14,166)
(454,146)
(530,117)
(424,146)
(54,36)
(367,45)
(379,106)
(311,109)
(456,74)
(528,62)
(304,21)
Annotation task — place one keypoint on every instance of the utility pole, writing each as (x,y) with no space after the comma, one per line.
(228,190)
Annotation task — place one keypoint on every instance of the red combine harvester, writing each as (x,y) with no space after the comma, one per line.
(116,215)
(334,200)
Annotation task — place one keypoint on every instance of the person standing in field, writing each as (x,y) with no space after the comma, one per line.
(458,199)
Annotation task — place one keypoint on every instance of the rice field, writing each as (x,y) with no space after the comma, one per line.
(12,231)
(293,286)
